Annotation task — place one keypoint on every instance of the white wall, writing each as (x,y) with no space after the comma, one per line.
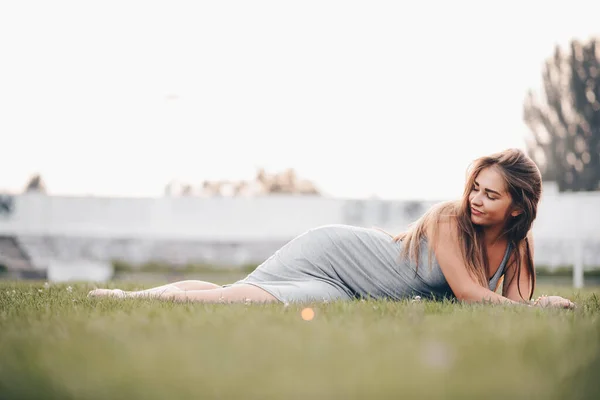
(232,219)
(136,226)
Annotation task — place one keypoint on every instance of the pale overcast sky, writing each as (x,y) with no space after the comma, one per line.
(383,98)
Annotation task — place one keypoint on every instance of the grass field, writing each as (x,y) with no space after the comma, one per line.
(55,343)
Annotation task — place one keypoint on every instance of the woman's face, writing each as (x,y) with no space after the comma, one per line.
(489,199)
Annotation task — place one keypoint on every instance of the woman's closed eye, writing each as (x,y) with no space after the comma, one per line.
(487,195)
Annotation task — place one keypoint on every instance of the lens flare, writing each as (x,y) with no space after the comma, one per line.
(307,314)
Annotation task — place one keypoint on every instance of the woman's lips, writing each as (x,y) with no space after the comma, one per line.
(476,212)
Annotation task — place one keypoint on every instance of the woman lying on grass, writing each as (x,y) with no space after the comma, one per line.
(459,250)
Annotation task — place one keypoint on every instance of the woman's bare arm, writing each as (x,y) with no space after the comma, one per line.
(466,288)
(510,289)
(463,285)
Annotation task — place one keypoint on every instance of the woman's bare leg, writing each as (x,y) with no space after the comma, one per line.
(181,285)
(195,285)
(232,294)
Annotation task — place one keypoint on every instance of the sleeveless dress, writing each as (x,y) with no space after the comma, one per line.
(344,262)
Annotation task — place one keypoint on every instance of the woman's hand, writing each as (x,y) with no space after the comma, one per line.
(554,301)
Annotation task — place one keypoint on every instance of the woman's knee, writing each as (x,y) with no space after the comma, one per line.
(246,292)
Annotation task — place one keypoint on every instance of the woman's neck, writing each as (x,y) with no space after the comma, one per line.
(492,235)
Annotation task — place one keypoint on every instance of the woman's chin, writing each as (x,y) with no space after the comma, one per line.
(476,220)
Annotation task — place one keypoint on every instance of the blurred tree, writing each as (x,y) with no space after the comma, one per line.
(187,190)
(285,181)
(35,184)
(264,183)
(565,123)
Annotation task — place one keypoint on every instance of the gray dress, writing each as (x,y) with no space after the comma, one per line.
(343,262)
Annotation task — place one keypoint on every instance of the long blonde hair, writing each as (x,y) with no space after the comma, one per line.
(524,184)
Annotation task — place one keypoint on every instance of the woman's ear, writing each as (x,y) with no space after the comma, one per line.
(516,213)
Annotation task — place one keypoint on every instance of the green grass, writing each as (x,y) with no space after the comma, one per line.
(58,344)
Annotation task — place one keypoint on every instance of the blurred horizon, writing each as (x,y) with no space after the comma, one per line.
(386,100)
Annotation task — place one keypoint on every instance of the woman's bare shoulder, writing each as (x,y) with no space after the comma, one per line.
(442,230)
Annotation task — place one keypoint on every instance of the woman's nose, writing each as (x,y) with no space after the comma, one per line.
(476,199)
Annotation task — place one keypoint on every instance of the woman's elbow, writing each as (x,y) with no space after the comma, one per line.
(460,293)
(467,293)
